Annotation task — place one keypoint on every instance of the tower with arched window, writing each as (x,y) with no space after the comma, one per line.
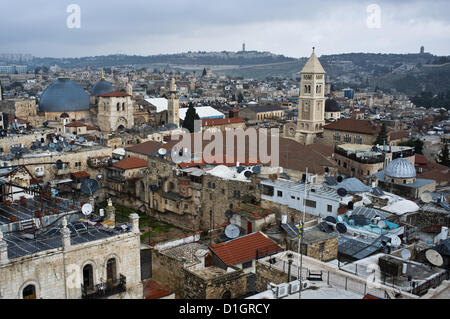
(311,109)
(173,102)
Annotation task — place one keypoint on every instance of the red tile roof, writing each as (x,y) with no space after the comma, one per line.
(225,121)
(153,290)
(80,174)
(130,163)
(399,135)
(352,125)
(369,296)
(245,248)
(76,124)
(115,94)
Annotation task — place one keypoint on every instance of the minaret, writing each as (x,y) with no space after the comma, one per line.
(311,110)
(173,103)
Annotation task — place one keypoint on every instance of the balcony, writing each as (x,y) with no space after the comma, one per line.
(105,290)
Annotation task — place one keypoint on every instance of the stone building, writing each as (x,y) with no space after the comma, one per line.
(115,111)
(76,261)
(349,131)
(261,113)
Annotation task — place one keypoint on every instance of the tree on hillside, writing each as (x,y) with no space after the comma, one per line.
(191,117)
(444,158)
(382,136)
(416,143)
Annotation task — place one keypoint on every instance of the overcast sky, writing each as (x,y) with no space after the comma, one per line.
(289,27)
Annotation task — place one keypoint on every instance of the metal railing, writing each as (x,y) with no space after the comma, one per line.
(104,290)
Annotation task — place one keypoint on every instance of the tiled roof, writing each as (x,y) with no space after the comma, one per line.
(115,94)
(225,121)
(153,290)
(398,135)
(353,125)
(80,174)
(245,248)
(76,124)
(130,163)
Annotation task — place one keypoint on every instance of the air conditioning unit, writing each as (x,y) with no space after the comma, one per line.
(294,287)
(282,290)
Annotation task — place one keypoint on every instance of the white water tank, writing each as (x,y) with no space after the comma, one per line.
(405,268)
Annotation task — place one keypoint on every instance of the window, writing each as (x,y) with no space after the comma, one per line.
(88,277)
(118,106)
(347,138)
(29,292)
(337,137)
(123,106)
(329,208)
(247,264)
(310,203)
(111,270)
(280,194)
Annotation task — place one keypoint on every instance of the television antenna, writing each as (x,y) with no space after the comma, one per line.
(426,197)
(86,209)
(232,231)
(434,257)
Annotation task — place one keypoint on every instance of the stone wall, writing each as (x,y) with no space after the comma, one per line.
(266,275)
(50,270)
(168,272)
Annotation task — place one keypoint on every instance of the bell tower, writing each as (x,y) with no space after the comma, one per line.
(311,110)
(173,104)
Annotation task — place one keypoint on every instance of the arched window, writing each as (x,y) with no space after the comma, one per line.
(123,106)
(111,270)
(118,106)
(88,277)
(29,292)
(226,295)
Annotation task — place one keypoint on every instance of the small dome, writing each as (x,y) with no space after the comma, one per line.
(64,115)
(400,168)
(332,106)
(64,95)
(102,87)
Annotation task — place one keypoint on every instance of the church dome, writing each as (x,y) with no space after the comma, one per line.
(400,168)
(332,106)
(64,95)
(102,87)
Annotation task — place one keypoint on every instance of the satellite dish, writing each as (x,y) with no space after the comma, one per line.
(340,179)
(99,176)
(228,214)
(434,257)
(330,219)
(232,231)
(342,192)
(248,174)
(350,205)
(341,228)
(256,169)
(396,241)
(86,209)
(382,224)
(162,151)
(426,197)
(406,254)
(89,186)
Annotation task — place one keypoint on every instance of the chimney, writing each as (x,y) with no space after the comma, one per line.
(134,220)
(110,211)
(3,251)
(65,232)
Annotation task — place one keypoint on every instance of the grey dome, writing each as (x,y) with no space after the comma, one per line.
(64,95)
(102,87)
(400,168)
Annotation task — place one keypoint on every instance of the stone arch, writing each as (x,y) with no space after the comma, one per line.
(31,282)
(121,123)
(93,272)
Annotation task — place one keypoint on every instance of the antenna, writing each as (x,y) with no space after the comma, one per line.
(86,209)
(434,257)
(406,254)
(232,231)
(426,197)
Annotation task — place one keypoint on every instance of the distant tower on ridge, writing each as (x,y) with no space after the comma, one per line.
(422,49)
(243,47)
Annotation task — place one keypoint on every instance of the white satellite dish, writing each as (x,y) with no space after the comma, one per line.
(434,257)
(426,197)
(396,241)
(162,151)
(406,254)
(232,231)
(86,209)
(382,224)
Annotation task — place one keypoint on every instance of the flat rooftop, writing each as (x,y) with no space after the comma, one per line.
(26,211)
(185,252)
